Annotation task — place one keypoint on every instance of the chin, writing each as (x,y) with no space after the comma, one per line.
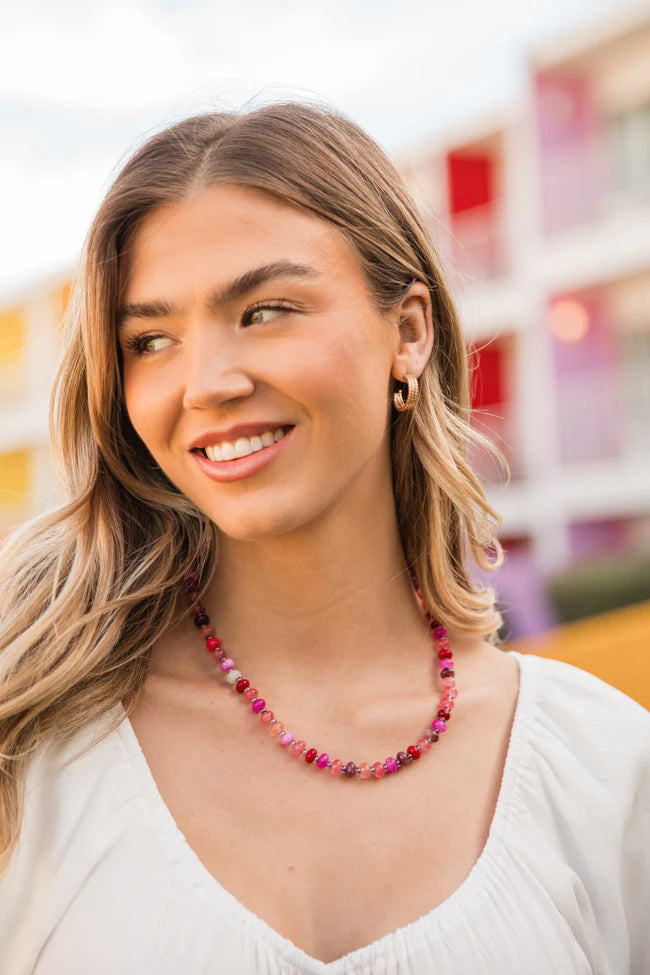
(252,526)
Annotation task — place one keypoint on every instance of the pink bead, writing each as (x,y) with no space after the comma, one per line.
(391,764)
(276,728)
(297,748)
(423,744)
(448,681)
(440,632)
(258,704)
(439,725)
(365,772)
(452,693)
(250,694)
(227,664)
(336,766)
(266,717)
(322,760)
(378,769)
(443,664)
(286,738)
(448,702)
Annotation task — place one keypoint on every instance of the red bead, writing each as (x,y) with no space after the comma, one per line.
(444,713)
(414,751)
(444,654)
(311,755)
(447,672)
(212,643)
(207,631)
(242,684)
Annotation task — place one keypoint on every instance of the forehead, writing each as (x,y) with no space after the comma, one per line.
(224,230)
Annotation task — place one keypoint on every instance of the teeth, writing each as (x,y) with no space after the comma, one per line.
(243,446)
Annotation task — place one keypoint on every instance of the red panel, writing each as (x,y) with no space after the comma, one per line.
(470,181)
(487,385)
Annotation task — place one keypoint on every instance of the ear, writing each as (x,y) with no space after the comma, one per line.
(414,332)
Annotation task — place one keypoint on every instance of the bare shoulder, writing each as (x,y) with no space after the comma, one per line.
(483,666)
(487,679)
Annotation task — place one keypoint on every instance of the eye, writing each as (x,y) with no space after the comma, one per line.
(250,316)
(143,344)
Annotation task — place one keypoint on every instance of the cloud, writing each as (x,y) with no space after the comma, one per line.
(82,84)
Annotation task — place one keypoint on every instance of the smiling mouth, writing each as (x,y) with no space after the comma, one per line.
(228,450)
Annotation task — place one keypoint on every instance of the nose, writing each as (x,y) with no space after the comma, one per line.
(215,372)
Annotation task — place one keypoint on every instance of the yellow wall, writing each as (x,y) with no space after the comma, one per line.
(614,646)
(12,357)
(15,487)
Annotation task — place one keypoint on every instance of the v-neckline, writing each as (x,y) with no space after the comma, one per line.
(359,957)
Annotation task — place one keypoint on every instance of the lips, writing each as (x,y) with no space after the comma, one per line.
(244,466)
(243,446)
(211,437)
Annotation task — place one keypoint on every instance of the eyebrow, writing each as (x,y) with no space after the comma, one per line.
(235,289)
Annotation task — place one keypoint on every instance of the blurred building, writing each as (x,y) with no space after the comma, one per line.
(29,347)
(542,218)
(541,214)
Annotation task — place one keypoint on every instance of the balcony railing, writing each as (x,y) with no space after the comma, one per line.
(496,424)
(476,244)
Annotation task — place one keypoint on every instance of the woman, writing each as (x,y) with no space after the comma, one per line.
(261,423)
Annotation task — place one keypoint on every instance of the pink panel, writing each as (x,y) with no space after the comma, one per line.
(592,538)
(570,150)
(587,389)
(521,589)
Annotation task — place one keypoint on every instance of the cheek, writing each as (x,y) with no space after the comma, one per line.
(150,409)
(344,386)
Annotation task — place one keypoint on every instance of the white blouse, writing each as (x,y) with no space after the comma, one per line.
(104,883)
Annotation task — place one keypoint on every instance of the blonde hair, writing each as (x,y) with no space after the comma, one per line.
(87,589)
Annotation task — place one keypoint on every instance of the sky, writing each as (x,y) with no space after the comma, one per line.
(83,84)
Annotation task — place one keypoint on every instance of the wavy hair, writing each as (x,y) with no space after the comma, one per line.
(87,588)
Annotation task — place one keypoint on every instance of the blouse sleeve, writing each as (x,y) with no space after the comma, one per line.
(636,865)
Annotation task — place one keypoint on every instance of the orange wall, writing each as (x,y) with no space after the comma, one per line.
(614,646)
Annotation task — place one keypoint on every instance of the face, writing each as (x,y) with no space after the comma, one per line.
(289,367)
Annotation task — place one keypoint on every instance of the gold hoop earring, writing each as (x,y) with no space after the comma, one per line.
(412,397)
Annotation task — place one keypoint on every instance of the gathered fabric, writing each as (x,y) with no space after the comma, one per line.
(103,881)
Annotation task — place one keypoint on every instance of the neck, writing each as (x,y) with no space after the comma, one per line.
(330,607)
(331,603)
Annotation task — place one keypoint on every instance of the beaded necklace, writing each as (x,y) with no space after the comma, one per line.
(299,748)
